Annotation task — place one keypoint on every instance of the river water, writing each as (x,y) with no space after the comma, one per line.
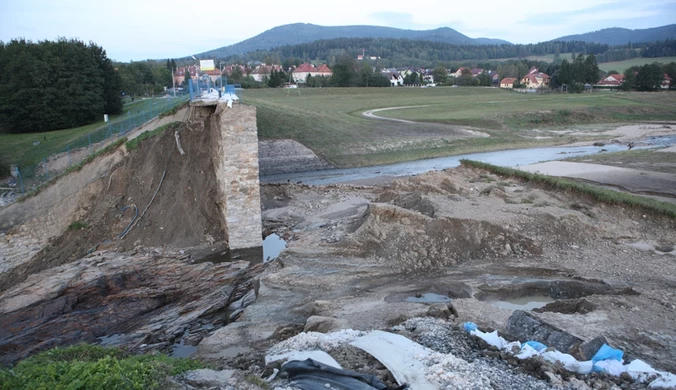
(507,158)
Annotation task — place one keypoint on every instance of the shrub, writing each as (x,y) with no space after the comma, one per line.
(77,225)
(93,367)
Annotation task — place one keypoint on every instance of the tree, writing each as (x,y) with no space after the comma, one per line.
(236,75)
(365,74)
(440,74)
(53,85)
(343,71)
(484,79)
(565,75)
(649,77)
(591,70)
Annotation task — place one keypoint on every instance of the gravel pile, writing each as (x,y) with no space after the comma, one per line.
(439,336)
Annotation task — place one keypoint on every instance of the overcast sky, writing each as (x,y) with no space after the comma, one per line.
(141,29)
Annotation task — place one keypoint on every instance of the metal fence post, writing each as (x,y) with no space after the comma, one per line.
(69,161)
(89,137)
(23,190)
(44,161)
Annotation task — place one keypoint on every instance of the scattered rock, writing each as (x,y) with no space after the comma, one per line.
(207,378)
(323,324)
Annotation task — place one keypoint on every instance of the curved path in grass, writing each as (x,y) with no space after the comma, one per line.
(370,114)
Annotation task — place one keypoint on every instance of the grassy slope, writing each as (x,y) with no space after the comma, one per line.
(599,194)
(18,148)
(329,120)
(621,66)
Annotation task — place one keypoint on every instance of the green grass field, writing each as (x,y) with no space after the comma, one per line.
(19,148)
(546,58)
(621,66)
(330,121)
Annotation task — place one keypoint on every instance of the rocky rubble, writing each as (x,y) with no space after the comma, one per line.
(147,301)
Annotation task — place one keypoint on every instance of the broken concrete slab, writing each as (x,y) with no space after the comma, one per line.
(524,326)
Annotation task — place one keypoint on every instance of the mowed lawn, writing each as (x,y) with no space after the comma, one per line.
(330,120)
(19,148)
(621,66)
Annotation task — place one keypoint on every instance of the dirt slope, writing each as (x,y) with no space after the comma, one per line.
(184,211)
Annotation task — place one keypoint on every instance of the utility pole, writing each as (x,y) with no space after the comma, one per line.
(173,81)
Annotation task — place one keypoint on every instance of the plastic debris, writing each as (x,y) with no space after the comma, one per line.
(317,356)
(610,366)
(568,361)
(399,354)
(538,346)
(606,352)
(312,375)
(491,338)
(607,359)
(527,352)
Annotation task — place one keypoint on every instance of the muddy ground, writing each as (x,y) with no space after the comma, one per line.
(356,256)
(357,253)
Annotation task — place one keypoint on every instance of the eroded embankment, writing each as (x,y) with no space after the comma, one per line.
(179,194)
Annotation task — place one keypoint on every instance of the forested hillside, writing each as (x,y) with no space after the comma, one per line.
(404,52)
(53,85)
(292,34)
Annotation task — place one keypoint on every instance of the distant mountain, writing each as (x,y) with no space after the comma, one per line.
(291,34)
(622,36)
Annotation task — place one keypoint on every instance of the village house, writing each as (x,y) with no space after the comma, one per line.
(666,82)
(214,75)
(262,71)
(324,71)
(301,73)
(612,80)
(507,82)
(457,73)
(535,79)
(180,74)
(476,71)
(395,78)
(228,69)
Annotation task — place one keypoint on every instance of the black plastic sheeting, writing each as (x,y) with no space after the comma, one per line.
(313,375)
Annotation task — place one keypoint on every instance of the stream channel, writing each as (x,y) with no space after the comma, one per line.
(506,158)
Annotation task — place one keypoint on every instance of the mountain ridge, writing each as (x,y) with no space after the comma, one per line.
(296,33)
(621,36)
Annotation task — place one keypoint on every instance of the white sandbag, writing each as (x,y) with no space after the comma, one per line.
(527,351)
(568,361)
(611,367)
(491,338)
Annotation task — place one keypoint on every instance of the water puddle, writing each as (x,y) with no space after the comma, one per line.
(273,245)
(181,350)
(523,303)
(110,341)
(429,298)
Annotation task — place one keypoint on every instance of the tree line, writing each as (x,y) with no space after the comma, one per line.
(393,52)
(52,85)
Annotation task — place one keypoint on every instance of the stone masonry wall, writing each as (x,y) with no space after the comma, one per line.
(236,163)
